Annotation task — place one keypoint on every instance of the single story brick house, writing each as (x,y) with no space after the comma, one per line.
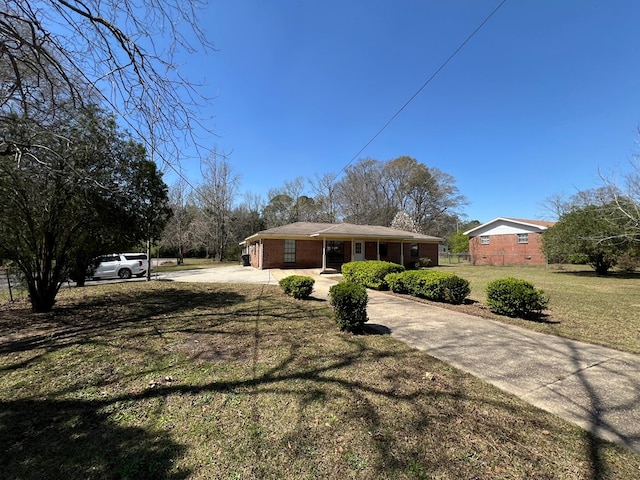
(507,241)
(329,245)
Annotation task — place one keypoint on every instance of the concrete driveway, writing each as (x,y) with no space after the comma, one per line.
(226,274)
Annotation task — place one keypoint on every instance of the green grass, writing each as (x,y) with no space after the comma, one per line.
(170,265)
(582,306)
(173,381)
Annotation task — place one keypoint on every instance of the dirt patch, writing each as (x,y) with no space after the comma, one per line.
(207,348)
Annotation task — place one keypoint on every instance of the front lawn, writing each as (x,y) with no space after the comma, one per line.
(172,381)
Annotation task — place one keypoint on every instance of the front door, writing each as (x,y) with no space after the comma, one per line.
(358,251)
(335,253)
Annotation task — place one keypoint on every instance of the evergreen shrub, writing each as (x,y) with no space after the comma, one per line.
(297,286)
(430,284)
(370,273)
(515,298)
(349,302)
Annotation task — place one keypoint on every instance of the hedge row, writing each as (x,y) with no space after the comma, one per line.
(429,284)
(370,273)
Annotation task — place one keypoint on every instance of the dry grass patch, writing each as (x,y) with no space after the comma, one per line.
(173,380)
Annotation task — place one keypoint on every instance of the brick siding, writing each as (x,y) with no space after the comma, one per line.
(309,253)
(505,250)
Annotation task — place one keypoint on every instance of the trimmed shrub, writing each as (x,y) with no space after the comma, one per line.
(297,286)
(370,273)
(349,302)
(395,282)
(515,298)
(456,289)
(430,284)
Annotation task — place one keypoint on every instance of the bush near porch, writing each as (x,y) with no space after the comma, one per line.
(370,273)
(429,284)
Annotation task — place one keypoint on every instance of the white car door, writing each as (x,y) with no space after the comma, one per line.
(108,266)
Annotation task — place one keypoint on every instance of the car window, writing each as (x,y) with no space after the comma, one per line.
(109,258)
(135,256)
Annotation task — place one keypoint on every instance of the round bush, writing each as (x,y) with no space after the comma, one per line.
(298,286)
(515,298)
(349,302)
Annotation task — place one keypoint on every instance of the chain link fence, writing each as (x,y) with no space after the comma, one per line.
(446,258)
(12,287)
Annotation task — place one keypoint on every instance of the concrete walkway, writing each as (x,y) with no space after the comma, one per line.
(595,387)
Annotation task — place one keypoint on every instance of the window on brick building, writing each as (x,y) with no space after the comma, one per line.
(289,251)
(382,249)
(484,239)
(523,238)
(414,250)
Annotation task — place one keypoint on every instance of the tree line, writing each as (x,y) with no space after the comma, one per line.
(211,218)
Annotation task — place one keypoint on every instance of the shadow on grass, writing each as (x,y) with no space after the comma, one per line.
(592,274)
(71,324)
(71,439)
(393,415)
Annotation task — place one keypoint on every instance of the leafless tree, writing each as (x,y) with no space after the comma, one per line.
(121,53)
(217,196)
(179,233)
(373,192)
(324,190)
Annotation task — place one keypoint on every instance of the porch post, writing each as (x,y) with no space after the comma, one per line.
(324,254)
(402,253)
(260,255)
(378,249)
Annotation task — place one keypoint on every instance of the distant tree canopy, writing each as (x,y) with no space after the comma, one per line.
(69,191)
(400,192)
(601,233)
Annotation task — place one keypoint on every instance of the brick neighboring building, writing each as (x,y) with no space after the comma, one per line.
(508,241)
(329,245)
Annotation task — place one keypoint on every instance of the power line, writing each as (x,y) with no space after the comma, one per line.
(422,87)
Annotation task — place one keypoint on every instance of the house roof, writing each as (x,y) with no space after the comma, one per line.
(539,224)
(347,231)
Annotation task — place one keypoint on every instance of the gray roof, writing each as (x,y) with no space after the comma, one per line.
(345,231)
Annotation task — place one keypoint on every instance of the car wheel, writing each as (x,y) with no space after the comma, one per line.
(124,273)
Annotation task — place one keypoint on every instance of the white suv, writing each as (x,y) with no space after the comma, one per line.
(122,265)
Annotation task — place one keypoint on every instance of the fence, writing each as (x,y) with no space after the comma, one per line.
(454,258)
(11,288)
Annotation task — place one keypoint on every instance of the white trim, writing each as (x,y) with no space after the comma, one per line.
(324,254)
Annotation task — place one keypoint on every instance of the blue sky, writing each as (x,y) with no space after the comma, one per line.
(539,102)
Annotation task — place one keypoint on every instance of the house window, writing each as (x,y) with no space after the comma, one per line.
(289,251)
(523,238)
(382,249)
(484,240)
(414,250)
(358,248)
